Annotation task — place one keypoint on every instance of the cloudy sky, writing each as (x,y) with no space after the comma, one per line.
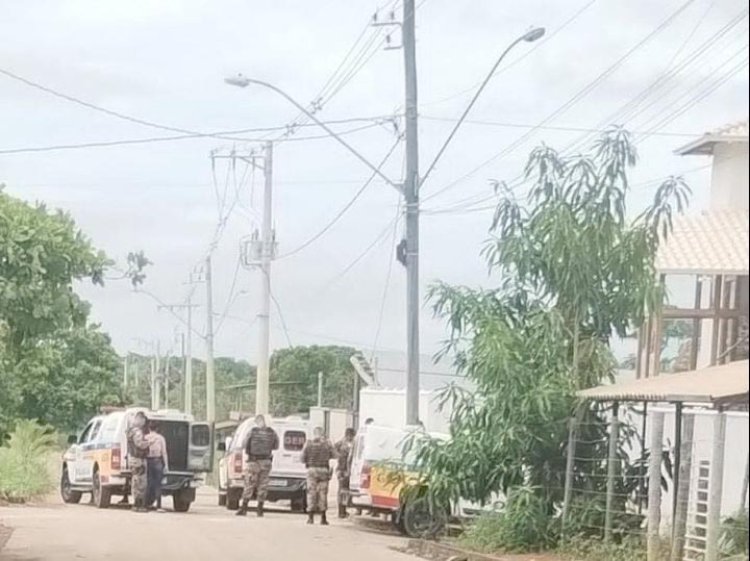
(164,63)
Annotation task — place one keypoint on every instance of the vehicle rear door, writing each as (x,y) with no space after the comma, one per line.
(200,448)
(289,456)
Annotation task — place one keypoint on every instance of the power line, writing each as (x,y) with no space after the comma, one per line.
(109,143)
(550,127)
(511,64)
(570,102)
(344,209)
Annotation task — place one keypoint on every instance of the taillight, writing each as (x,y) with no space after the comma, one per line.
(364,476)
(116,458)
(238,462)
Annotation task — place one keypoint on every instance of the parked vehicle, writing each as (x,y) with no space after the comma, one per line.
(383,481)
(97,462)
(288,478)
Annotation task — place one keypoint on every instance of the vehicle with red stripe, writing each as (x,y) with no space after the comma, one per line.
(96,462)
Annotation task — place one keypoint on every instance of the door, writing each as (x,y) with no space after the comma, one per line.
(89,448)
(77,471)
(288,459)
(358,460)
(200,450)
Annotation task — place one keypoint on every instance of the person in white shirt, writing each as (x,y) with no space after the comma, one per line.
(157,464)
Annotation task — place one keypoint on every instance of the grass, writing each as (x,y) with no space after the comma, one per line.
(24,463)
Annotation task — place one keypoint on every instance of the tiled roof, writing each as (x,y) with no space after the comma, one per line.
(712,242)
(733,132)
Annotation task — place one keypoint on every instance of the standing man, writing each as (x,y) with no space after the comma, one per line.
(317,456)
(343,450)
(157,463)
(259,448)
(137,454)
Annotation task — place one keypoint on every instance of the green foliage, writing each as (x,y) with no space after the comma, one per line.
(296,370)
(523,526)
(24,469)
(575,270)
(632,548)
(67,377)
(54,366)
(733,543)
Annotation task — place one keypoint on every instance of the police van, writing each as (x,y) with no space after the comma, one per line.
(97,460)
(288,477)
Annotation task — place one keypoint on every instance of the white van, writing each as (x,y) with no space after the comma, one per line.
(288,480)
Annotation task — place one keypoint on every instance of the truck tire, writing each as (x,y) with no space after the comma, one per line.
(182,500)
(101,496)
(66,492)
(233,498)
(423,519)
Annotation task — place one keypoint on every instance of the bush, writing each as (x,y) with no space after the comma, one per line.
(524,525)
(733,543)
(24,468)
(631,548)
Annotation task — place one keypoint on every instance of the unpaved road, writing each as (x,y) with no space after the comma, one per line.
(58,532)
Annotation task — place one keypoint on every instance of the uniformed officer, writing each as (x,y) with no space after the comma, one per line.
(137,454)
(344,452)
(259,448)
(317,456)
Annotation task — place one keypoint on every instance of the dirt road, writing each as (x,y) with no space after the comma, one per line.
(60,532)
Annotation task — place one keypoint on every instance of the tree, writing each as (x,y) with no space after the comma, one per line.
(296,370)
(574,270)
(50,357)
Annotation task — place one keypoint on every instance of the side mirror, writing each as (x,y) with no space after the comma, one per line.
(221,447)
(72,439)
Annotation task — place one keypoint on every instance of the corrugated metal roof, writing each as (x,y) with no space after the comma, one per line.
(733,132)
(712,242)
(727,382)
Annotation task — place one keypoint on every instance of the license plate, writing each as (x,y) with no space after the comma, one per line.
(277,483)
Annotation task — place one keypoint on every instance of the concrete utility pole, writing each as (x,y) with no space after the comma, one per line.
(411,195)
(125,372)
(210,379)
(267,249)
(188,376)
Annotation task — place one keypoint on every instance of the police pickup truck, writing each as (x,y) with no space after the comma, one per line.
(97,460)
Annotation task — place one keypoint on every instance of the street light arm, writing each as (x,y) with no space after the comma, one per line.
(529,36)
(243,81)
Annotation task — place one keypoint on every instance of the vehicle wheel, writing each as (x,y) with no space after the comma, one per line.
(424,519)
(101,496)
(299,504)
(233,499)
(66,492)
(181,501)
(223,500)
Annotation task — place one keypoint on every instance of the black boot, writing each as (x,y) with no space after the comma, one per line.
(260,509)
(243,509)
(311,518)
(342,512)
(323,519)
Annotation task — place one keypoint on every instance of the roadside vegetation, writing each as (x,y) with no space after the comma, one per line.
(574,269)
(24,462)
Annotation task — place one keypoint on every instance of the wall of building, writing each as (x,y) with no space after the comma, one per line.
(729,176)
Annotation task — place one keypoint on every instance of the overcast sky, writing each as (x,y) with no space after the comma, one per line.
(164,61)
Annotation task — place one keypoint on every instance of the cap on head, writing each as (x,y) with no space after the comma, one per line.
(349,433)
(369,421)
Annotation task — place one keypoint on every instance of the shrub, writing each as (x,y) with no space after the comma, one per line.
(524,525)
(24,468)
(631,548)
(733,543)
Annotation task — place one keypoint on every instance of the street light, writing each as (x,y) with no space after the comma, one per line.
(528,37)
(243,81)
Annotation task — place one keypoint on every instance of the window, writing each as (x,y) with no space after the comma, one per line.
(294,440)
(94,431)
(85,434)
(200,435)
(108,433)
